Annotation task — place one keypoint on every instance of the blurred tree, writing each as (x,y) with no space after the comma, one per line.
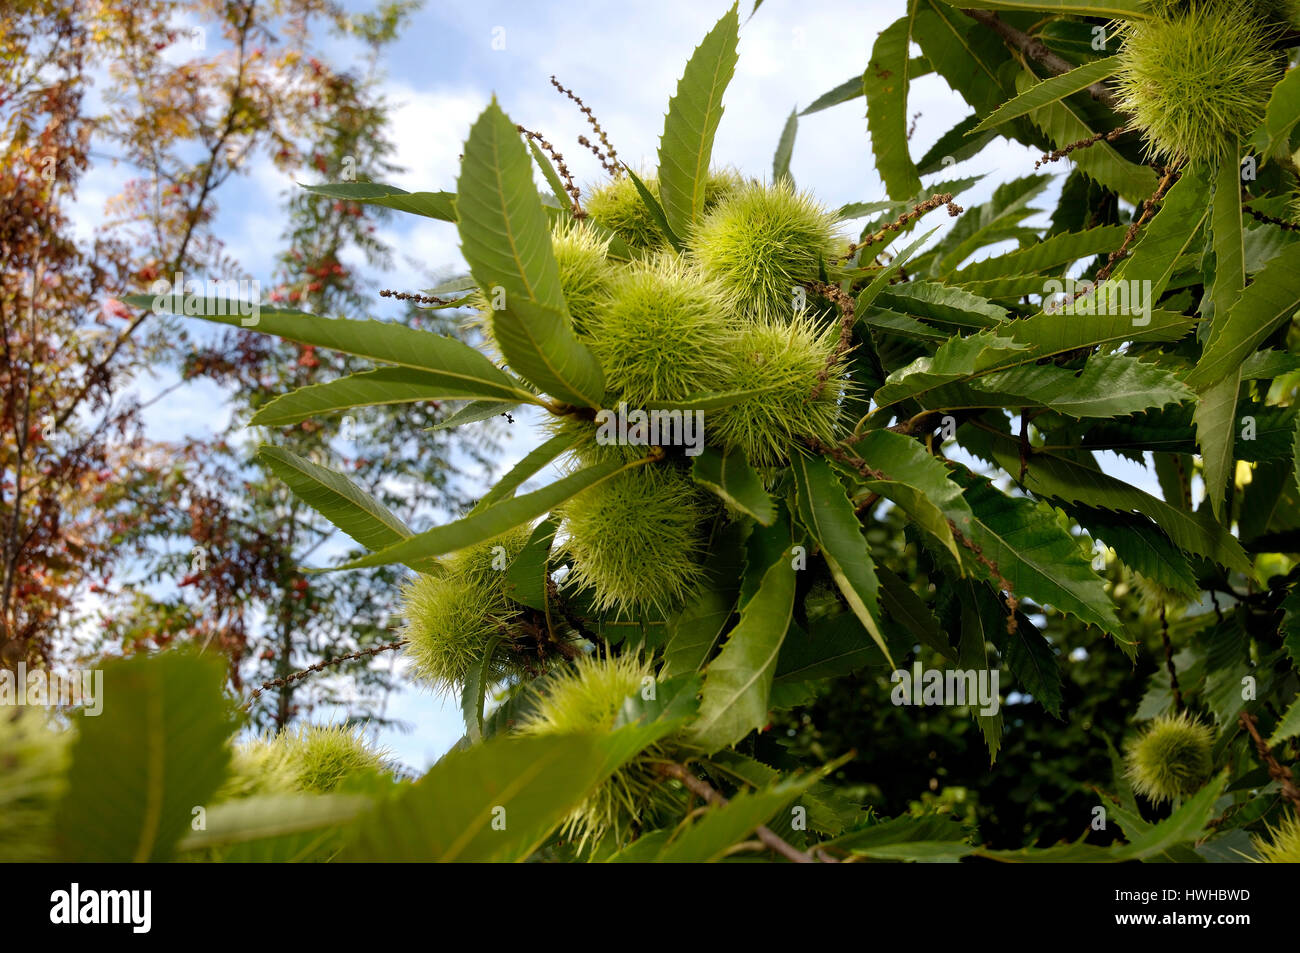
(191,540)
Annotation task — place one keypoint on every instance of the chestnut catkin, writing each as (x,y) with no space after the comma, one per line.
(1196,81)
(586,698)
(785,361)
(321,757)
(618,206)
(1282,846)
(762,242)
(662,333)
(637,539)
(1171,759)
(451,617)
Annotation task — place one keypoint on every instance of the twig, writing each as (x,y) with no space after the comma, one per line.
(1169,661)
(1278,772)
(338,660)
(1025,449)
(418,299)
(1148,210)
(848,319)
(870,500)
(609,158)
(1037,51)
(1270,220)
(710,796)
(906,218)
(1083,143)
(1003,583)
(570,186)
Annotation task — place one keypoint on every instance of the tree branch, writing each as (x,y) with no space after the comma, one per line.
(338,660)
(1277,771)
(710,796)
(1037,51)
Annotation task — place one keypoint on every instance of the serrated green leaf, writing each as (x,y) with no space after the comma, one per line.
(716,400)
(504,232)
(1216,410)
(527,576)
(981,619)
(907,838)
(1170,233)
(1140,545)
(850,89)
(1169,430)
(475,412)
(562,198)
(674,700)
(1051,334)
(1272,298)
(1290,627)
(825,509)
(958,359)
(342,502)
(955,145)
(1063,124)
(491,521)
(1280,117)
(506,239)
(709,839)
(1031,660)
(1037,557)
(385,385)
(785,149)
(1082,481)
(691,123)
(946,305)
(966,54)
(472,692)
(826,809)
(439,205)
(1186,824)
(532,464)
(1288,725)
(269,817)
(886,86)
(156,750)
(654,208)
(834,646)
(881,281)
(988,223)
(908,609)
(905,462)
(455,363)
(729,475)
(695,629)
(738,682)
(1109,385)
(1054,252)
(1049,91)
(497,801)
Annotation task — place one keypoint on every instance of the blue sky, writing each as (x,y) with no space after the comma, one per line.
(624,60)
